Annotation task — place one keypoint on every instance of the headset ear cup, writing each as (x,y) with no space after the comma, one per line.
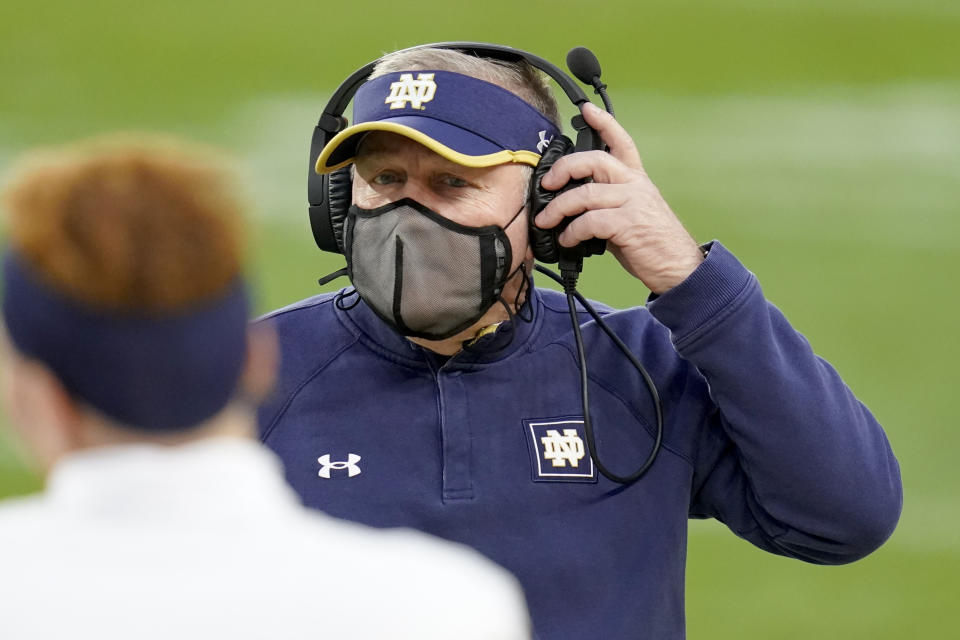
(543,242)
(339,197)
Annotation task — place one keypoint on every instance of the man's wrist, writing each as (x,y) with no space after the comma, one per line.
(678,272)
(720,279)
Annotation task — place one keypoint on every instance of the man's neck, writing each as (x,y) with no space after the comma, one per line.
(235,420)
(453,346)
(487,323)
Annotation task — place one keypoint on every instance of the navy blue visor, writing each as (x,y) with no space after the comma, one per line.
(465,120)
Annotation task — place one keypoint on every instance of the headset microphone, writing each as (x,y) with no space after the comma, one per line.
(584,65)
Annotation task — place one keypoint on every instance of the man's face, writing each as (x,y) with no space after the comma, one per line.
(390,167)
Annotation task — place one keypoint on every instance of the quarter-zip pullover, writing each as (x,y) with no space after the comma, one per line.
(487,447)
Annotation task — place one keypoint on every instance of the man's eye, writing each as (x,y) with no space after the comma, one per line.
(454,181)
(385,178)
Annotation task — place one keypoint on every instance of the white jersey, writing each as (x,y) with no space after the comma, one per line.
(207,541)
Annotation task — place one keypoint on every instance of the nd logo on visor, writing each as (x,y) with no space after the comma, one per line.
(558,450)
(416,92)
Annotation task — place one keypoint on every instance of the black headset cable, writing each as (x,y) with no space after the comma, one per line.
(568,280)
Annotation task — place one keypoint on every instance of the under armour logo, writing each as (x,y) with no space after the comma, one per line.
(560,449)
(544,141)
(416,92)
(350,465)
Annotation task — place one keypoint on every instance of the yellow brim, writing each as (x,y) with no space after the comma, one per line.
(500,157)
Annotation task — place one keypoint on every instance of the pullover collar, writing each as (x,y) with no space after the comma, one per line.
(510,338)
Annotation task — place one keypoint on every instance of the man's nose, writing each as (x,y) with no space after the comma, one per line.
(422,192)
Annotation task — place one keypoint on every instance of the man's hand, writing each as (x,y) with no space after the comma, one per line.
(622,206)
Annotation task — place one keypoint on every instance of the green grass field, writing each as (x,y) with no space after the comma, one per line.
(819,140)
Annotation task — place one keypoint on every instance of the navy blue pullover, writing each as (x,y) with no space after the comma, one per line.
(486,448)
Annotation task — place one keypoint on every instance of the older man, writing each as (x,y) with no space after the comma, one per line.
(130,373)
(453,384)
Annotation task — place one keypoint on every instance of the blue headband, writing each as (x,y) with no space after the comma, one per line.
(466,120)
(156,373)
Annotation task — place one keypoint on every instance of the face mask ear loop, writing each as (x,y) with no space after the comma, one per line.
(515,216)
(346,293)
(511,316)
(524,286)
(521,307)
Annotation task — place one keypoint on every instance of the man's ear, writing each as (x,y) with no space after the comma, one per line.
(263,360)
(47,419)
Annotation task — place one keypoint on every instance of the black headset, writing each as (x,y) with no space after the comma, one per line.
(330,194)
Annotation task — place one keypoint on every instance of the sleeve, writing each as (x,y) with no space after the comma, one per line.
(789,459)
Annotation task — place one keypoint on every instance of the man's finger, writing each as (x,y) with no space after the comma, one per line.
(586,197)
(600,223)
(599,165)
(621,144)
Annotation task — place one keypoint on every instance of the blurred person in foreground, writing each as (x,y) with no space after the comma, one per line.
(131,375)
(457,380)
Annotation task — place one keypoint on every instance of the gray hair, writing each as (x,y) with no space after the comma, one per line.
(521,78)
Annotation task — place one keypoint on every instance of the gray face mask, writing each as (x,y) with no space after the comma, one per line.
(424,275)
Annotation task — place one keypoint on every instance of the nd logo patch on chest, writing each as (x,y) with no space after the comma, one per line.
(558,450)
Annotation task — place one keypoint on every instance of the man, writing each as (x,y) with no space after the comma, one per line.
(469,419)
(130,373)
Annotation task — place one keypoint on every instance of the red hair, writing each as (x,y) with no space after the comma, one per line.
(128,225)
